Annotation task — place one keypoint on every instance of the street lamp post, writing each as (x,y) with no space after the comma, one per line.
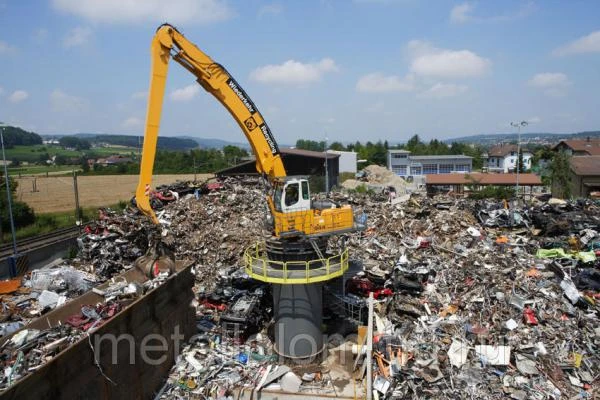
(518,125)
(10,215)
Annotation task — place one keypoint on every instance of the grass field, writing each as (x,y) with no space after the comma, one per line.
(32,153)
(42,169)
(56,194)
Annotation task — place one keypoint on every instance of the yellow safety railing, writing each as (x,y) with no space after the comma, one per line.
(259,267)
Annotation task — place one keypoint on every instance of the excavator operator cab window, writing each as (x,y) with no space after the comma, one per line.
(277,197)
(305,191)
(292,193)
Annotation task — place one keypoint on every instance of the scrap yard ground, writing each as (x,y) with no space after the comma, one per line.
(56,193)
(473,301)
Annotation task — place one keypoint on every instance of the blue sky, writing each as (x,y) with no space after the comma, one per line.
(345,70)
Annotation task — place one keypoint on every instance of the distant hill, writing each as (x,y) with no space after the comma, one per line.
(164,142)
(488,139)
(211,143)
(15,136)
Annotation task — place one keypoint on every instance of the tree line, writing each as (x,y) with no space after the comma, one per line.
(14,136)
(376,152)
(176,162)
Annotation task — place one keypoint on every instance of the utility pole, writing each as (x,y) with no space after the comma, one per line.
(8,196)
(76,190)
(518,125)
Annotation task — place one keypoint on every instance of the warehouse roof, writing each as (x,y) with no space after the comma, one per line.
(478,178)
(441,157)
(585,165)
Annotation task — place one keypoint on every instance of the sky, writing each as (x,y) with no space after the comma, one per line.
(339,70)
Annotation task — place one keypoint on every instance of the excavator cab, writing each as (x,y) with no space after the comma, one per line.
(291,194)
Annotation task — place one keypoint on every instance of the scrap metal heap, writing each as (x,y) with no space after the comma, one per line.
(473,299)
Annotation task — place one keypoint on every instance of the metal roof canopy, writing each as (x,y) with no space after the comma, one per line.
(481,179)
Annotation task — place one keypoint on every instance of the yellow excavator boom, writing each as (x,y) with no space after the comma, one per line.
(169,43)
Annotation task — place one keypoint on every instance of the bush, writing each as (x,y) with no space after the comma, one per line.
(45,220)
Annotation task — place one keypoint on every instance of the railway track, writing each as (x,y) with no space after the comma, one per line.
(38,241)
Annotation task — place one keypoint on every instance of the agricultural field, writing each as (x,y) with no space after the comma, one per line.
(42,170)
(35,153)
(55,193)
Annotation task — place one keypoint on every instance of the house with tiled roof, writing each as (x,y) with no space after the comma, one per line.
(579,147)
(504,157)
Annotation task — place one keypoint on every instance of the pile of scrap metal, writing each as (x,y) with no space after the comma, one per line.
(490,308)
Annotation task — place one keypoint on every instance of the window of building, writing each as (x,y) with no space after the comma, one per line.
(463,167)
(399,155)
(400,170)
(416,170)
(497,162)
(430,169)
(446,168)
(512,153)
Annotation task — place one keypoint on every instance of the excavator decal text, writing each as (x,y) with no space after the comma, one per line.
(242,95)
(269,138)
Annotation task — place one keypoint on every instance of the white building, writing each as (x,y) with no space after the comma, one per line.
(402,163)
(347,160)
(503,158)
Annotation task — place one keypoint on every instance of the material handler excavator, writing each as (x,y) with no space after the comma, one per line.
(300,226)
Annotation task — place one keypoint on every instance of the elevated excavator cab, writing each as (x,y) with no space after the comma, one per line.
(291,194)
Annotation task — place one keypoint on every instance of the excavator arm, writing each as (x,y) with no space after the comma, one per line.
(169,43)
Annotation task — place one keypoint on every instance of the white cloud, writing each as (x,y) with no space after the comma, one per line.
(460,13)
(379,83)
(131,123)
(445,63)
(77,36)
(552,83)
(156,11)
(534,120)
(1,90)
(186,93)
(463,13)
(5,48)
(63,102)
(142,95)
(18,96)
(270,9)
(443,90)
(293,72)
(586,44)
(549,79)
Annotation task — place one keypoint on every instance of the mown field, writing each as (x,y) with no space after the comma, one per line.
(55,193)
(32,154)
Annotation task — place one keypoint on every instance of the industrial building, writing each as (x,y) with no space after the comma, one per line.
(403,163)
(584,176)
(347,161)
(296,162)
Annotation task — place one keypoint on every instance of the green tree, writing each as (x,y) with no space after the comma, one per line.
(22,214)
(520,165)
(84,165)
(42,158)
(560,175)
(234,154)
(337,146)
